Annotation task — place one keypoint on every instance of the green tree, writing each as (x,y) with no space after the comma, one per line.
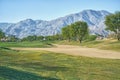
(82,30)
(2,34)
(66,32)
(112,22)
(49,38)
(39,38)
(75,31)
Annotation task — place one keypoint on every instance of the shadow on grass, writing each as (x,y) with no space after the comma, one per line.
(47,66)
(12,74)
(50,68)
(7,49)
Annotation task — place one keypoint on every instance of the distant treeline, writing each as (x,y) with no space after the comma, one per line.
(43,38)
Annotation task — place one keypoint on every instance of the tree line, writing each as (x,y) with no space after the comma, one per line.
(43,38)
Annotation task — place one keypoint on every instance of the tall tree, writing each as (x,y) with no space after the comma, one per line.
(82,30)
(112,22)
(75,31)
(66,32)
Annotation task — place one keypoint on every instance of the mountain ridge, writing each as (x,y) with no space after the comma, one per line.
(24,28)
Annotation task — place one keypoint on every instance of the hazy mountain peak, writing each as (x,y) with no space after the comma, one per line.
(29,19)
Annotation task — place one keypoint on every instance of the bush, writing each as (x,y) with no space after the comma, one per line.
(91,37)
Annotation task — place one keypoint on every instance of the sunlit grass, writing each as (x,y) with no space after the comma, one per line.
(101,44)
(26,44)
(44,65)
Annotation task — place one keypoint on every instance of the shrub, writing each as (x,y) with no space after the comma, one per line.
(91,37)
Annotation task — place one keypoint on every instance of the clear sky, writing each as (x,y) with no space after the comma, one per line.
(16,10)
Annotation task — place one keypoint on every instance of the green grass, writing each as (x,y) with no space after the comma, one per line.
(43,65)
(26,44)
(101,44)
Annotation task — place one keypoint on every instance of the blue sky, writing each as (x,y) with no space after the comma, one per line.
(17,10)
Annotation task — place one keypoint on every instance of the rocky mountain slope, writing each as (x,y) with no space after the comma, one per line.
(95,20)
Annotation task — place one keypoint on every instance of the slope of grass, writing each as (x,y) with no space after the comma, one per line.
(26,44)
(31,65)
(101,44)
